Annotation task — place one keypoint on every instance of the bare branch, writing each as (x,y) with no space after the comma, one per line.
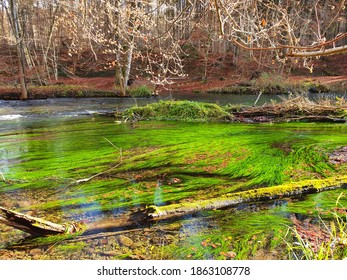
(323,52)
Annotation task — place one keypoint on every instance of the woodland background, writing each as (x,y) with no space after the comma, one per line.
(123,42)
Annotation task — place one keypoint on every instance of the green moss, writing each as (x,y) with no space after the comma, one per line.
(69,248)
(259,194)
(179,110)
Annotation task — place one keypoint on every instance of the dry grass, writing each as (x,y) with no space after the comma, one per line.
(298,106)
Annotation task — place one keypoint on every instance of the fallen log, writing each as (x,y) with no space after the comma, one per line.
(152,213)
(35,226)
(250,196)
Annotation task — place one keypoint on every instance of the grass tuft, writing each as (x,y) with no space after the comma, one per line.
(329,242)
(179,110)
(141,91)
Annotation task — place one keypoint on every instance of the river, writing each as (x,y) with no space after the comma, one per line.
(47,145)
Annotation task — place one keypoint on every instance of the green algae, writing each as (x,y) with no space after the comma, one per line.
(164,163)
(209,159)
(231,234)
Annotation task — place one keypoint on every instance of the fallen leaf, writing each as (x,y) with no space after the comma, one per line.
(230,254)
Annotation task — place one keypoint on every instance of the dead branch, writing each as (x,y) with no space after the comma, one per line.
(141,218)
(323,52)
(34,226)
(281,47)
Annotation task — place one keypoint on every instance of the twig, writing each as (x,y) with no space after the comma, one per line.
(84,180)
(101,235)
(256,101)
(101,173)
(3,177)
(120,149)
(95,175)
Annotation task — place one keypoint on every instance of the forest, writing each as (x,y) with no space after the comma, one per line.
(178,129)
(162,41)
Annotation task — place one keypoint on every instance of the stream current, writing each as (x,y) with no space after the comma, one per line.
(46,145)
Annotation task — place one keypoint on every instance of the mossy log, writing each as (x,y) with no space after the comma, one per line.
(255,195)
(141,218)
(34,226)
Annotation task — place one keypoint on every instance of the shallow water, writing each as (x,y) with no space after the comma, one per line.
(45,150)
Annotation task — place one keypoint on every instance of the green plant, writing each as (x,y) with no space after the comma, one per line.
(272,83)
(179,110)
(333,246)
(141,91)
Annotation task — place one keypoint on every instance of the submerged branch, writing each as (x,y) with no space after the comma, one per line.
(106,171)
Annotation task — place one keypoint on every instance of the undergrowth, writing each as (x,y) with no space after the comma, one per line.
(141,91)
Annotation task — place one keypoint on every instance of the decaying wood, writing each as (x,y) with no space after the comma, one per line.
(298,108)
(34,226)
(325,119)
(250,196)
(151,214)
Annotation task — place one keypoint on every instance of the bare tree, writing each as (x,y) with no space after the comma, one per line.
(125,30)
(288,28)
(13,15)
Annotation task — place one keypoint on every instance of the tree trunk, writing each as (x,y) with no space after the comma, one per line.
(120,75)
(123,71)
(23,86)
(13,17)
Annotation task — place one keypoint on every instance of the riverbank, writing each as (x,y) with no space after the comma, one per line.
(330,75)
(270,84)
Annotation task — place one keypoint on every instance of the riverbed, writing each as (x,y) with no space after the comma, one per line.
(46,146)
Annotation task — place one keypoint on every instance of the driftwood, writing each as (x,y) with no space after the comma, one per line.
(152,214)
(34,226)
(298,108)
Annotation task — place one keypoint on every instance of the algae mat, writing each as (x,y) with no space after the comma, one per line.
(163,163)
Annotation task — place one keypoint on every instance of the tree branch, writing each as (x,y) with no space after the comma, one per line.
(323,52)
